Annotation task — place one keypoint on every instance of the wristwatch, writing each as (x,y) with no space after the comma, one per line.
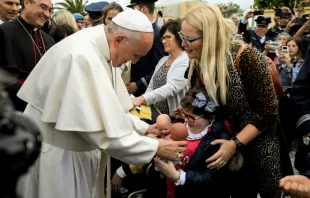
(239,144)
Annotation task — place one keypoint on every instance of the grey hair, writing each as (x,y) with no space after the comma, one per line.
(133,36)
(235,15)
(284,34)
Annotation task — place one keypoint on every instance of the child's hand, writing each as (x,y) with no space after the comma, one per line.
(167,169)
(117,183)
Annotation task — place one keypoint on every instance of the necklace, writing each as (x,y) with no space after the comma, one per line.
(32,38)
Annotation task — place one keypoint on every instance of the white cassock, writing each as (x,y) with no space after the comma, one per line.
(81,106)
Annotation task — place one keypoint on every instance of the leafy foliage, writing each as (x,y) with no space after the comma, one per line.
(269,4)
(73,6)
(233,9)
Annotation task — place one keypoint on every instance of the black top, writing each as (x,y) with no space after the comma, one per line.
(19,53)
(200,180)
(142,71)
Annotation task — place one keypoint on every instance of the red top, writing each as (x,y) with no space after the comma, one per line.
(191,147)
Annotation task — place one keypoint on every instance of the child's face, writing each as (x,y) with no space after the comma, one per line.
(196,123)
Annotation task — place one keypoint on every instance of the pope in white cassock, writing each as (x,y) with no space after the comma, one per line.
(78,100)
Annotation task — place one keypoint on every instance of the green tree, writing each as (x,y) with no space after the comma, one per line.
(265,4)
(230,8)
(73,6)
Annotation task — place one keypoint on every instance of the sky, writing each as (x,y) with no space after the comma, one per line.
(244,4)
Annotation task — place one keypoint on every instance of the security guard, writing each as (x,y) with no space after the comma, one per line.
(256,37)
(142,71)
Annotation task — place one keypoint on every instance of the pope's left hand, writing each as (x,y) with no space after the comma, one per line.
(132,88)
(152,130)
(223,155)
(167,169)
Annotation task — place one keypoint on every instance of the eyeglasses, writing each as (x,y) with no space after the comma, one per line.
(189,41)
(190,118)
(44,7)
(167,38)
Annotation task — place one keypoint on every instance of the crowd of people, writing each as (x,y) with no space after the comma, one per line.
(79,76)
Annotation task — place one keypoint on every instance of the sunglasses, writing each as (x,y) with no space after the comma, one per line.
(188,41)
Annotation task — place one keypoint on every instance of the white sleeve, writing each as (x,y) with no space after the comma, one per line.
(139,126)
(182,179)
(131,148)
(120,172)
(244,21)
(174,84)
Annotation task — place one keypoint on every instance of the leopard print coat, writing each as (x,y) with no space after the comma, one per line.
(252,100)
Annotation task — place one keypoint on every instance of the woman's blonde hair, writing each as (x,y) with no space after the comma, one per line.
(218,36)
(64,17)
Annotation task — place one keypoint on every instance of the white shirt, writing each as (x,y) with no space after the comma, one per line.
(262,40)
(1,22)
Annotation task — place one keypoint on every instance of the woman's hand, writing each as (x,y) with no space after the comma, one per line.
(117,183)
(266,51)
(287,60)
(296,186)
(167,169)
(138,101)
(223,155)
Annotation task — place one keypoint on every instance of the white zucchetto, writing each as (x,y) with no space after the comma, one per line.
(133,20)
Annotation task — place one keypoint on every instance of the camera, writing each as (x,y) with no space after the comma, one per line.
(285,50)
(273,46)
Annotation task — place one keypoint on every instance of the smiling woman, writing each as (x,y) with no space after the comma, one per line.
(245,89)
(167,85)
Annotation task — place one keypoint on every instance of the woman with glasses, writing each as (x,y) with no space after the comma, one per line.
(167,85)
(236,77)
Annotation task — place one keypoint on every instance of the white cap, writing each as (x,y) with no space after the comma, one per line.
(133,20)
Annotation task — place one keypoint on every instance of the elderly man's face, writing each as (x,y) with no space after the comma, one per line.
(9,9)
(235,19)
(37,12)
(123,50)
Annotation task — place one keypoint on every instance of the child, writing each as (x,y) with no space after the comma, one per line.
(192,178)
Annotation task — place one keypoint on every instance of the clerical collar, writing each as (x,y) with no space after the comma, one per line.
(27,25)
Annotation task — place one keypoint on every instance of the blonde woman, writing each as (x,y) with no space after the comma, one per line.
(248,94)
(64,17)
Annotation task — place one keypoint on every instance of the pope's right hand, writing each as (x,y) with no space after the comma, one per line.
(170,150)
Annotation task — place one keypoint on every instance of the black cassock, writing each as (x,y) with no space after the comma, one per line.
(19,53)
